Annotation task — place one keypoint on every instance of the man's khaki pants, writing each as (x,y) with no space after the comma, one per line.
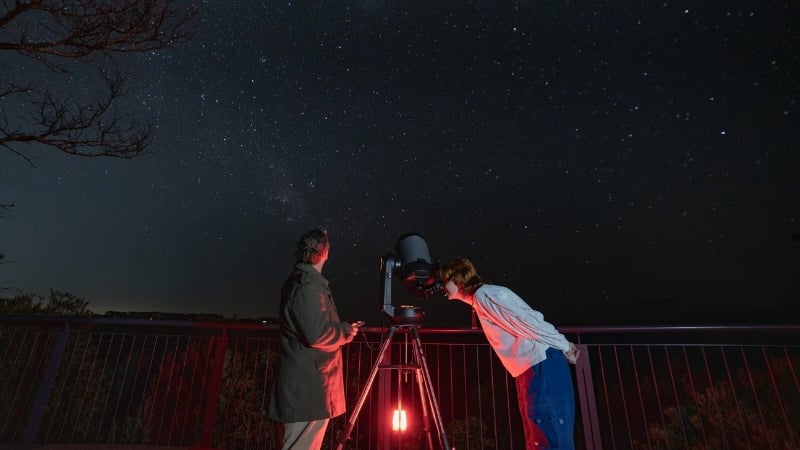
(304,435)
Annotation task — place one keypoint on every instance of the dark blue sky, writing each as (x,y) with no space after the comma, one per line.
(611,161)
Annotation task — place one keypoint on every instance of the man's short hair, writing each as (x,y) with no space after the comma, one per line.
(311,247)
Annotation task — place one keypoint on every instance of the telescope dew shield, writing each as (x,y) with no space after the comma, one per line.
(416,270)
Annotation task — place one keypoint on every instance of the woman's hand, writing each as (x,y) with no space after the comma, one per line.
(572,354)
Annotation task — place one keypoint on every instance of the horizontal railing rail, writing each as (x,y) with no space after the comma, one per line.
(104,381)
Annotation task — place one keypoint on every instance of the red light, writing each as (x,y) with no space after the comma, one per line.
(399,420)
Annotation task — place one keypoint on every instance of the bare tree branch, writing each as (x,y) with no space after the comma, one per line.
(54,32)
(90,128)
(78,28)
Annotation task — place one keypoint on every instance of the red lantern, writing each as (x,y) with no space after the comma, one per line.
(399,420)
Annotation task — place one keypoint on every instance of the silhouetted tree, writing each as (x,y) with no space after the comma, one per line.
(175,400)
(730,417)
(26,353)
(56,304)
(243,399)
(469,432)
(56,35)
(172,415)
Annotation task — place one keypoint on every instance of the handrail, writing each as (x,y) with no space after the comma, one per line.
(106,380)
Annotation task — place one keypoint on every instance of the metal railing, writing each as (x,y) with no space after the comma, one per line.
(206,384)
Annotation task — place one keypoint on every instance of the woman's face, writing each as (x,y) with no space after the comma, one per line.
(452,290)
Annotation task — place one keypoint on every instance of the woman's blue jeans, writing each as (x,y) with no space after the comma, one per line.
(547,404)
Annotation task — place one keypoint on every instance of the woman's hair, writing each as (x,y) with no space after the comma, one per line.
(312,246)
(462,273)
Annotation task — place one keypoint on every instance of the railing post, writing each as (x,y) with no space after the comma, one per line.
(46,388)
(591,423)
(214,389)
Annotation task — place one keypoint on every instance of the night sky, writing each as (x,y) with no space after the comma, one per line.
(616,161)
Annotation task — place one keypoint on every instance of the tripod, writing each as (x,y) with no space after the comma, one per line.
(423,381)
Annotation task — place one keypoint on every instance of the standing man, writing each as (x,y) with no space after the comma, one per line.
(309,386)
(530,348)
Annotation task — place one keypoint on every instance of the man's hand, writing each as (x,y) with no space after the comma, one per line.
(354,327)
(572,354)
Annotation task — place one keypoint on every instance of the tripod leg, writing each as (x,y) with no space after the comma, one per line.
(437,415)
(365,391)
(424,401)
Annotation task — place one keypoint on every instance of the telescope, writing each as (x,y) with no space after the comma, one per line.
(412,264)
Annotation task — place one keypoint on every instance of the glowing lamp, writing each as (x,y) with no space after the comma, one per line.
(399,420)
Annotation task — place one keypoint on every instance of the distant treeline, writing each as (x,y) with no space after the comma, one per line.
(155,315)
(59,303)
